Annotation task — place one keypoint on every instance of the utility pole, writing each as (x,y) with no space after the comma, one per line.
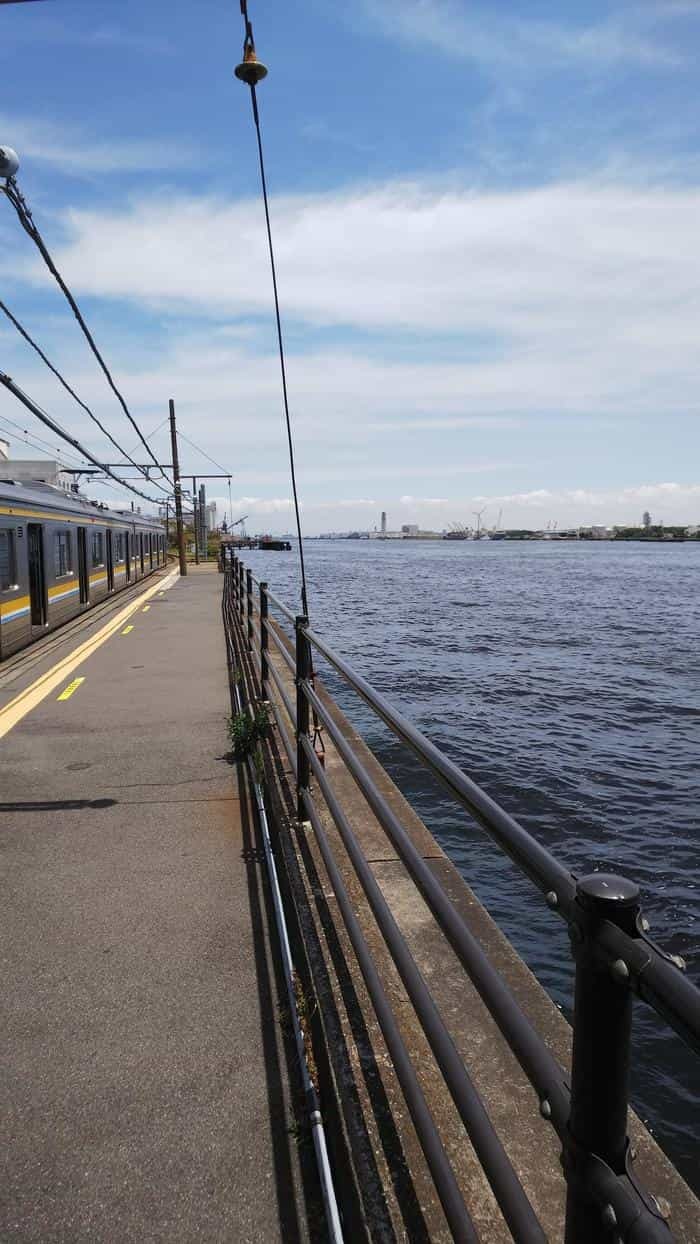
(203,520)
(195,520)
(178,493)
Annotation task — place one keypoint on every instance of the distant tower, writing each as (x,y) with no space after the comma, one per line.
(383,522)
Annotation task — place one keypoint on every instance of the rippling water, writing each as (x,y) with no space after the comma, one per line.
(565,679)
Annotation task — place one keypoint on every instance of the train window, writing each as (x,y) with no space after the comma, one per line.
(97,545)
(8,575)
(119,546)
(63,561)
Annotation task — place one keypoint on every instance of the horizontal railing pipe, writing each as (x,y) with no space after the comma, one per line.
(285,736)
(657,980)
(499,1172)
(288,613)
(280,646)
(531,857)
(530,1050)
(456,1213)
(286,699)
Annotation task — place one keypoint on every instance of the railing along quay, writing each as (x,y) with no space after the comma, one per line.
(614,957)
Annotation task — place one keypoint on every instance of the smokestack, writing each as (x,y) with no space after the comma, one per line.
(383,522)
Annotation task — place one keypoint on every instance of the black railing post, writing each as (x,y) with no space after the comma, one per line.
(601,1052)
(264,671)
(249,606)
(241,591)
(303,671)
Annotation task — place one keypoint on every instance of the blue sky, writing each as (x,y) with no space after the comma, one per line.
(486,225)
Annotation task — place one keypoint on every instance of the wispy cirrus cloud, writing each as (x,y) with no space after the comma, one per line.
(497,40)
(74,151)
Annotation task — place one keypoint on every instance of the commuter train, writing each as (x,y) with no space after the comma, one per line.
(61,554)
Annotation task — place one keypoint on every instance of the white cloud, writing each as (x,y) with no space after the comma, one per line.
(525,46)
(575,297)
(74,152)
(477,315)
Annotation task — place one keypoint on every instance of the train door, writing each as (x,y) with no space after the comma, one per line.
(150,549)
(141,552)
(83,579)
(110,561)
(37,578)
(127,554)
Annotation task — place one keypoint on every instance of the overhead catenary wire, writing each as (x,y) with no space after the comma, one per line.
(12,429)
(199,449)
(36,442)
(153,433)
(33,439)
(28,338)
(250,72)
(25,218)
(55,427)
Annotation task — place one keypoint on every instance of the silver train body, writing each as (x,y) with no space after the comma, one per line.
(60,555)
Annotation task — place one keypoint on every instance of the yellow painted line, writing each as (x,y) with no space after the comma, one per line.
(145,609)
(72,686)
(127,629)
(33,695)
(62,587)
(20,602)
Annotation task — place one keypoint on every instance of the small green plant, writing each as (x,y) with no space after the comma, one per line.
(246,731)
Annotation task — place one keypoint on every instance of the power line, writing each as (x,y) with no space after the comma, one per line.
(36,442)
(201,451)
(24,216)
(23,332)
(152,434)
(9,383)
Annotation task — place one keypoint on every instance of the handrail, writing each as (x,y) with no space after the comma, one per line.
(538,1064)
(286,656)
(654,976)
(506,1186)
(531,857)
(614,957)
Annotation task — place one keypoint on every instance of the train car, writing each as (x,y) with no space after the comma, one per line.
(61,554)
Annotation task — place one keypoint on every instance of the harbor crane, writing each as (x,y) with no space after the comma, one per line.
(478,515)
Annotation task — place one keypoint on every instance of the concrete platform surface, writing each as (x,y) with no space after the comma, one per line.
(147,1087)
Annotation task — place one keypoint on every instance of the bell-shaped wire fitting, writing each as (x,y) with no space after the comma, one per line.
(250,70)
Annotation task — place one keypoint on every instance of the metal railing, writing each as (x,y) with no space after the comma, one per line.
(614,957)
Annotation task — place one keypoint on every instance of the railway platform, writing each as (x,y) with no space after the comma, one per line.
(148,1085)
